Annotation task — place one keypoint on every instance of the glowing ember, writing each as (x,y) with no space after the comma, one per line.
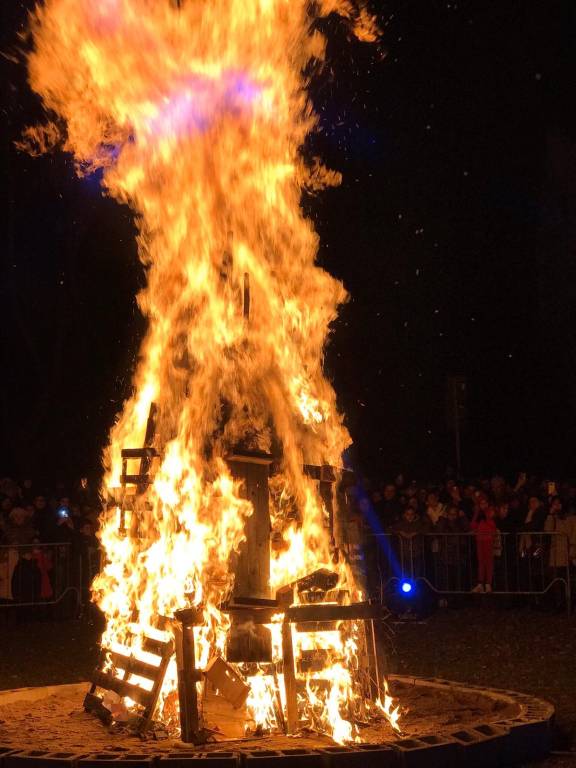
(196,112)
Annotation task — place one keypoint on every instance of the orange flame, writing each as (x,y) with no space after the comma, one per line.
(195,112)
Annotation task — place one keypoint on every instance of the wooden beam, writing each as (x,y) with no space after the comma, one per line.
(292,720)
(133,665)
(138,453)
(252,563)
(121,687)
(187,678)
(330,612)
(157,687)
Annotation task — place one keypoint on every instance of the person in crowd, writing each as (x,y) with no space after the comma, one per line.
(6,505)
(505,547)
(412,489)
(26,584)
(10,488)
(485,487)
(484,527)
(521,481)
(27,491)
(391,509)
(468,502)
(90,514)
(434,508)
(536,515)
(569,500)
(454,496)
(90,556)
(410,524)
(533,523)
(561,547)
(516,513)
(42,515)
(410,550)
(453,549)
(61,527)
(498,489)
(77,516)
(376,500)
(43,559)
(453,521)
(445,493)
(412,502)
(20,529)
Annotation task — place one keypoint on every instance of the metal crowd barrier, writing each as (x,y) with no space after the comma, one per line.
(40,575)
(524,563)
(535,563)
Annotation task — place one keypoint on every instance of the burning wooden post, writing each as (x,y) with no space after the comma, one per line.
(188,675)
(249,641)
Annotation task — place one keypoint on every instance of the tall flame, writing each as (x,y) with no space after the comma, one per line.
(195,111)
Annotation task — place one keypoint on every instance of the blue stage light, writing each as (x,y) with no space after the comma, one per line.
(406,587)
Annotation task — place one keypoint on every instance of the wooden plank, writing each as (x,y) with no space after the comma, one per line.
(122,688)
(252,564)
(289,679)
(312,471)
(135,480)
(139,453)
(133,665)
(254,602)
(93,704)
(317,626)
(190,617)
(321,612)
(227,681)
(155,692)
(250,457)
(187,694)
(146,462)
(231,721)
(252,570)
(151,645)
(248,642)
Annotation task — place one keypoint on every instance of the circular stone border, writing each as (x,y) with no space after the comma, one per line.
(525,737)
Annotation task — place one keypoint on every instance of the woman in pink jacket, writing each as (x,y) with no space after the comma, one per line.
(484,527)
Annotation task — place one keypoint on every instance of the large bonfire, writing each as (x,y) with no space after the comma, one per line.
(196,112)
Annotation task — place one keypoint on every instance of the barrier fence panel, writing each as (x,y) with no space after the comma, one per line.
(39,574)
(534,563)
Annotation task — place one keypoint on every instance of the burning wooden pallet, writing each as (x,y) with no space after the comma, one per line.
(128,676)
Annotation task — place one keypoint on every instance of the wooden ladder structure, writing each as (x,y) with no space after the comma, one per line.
(114,673)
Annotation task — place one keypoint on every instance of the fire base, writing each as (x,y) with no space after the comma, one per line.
(449,724)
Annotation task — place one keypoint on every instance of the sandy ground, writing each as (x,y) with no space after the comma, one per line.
(57,722)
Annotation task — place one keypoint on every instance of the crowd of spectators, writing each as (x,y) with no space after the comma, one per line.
(32,516)
(497,513)
(503,519)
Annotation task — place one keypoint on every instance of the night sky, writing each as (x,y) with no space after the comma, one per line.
(454,231)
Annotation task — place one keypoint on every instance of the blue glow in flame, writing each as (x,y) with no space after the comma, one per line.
(199,100)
